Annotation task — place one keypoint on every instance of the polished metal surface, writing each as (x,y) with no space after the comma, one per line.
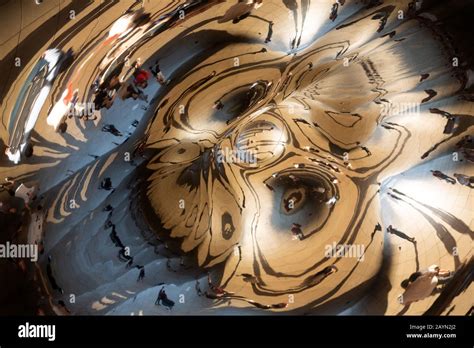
(258,156)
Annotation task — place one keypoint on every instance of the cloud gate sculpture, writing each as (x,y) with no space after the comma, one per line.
(237,157)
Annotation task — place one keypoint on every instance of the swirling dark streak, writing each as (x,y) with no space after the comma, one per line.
(442,233)
(454,222)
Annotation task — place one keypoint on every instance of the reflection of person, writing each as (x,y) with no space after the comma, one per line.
(106,184)
(104,96)
(422,284)
(141,275)
(103,99)
(465,180)
(161,295)
(110,128)
(198,288)
(134,92)
(466,145)
(392,230)
(163,298)
(248,278)
(156,71)
(28,194)
(141,78)
(296,230)
(441,176)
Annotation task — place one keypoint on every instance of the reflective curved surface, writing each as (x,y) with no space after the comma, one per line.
(243,157)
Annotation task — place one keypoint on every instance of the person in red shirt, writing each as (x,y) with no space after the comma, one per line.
(141,78)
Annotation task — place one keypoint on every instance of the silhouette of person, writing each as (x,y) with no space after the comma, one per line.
(141,275)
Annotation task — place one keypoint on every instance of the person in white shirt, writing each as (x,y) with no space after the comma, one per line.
(422,284)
